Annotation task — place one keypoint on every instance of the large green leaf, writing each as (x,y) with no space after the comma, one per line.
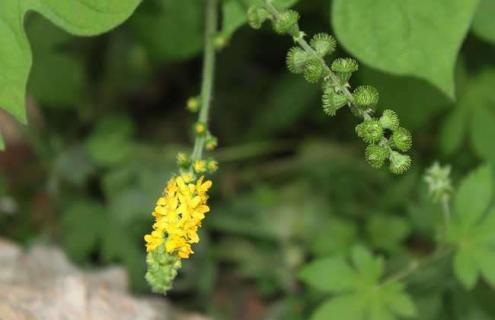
(409,37)
(483,23)
(80,17)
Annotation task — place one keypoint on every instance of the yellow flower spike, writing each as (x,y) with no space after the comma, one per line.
(178,215)
(199,166)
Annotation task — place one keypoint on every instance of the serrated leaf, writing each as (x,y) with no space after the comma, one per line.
(410,37)
(465,268)
(329,274)
(483,22)
(88,17)
(474,195)
(370,268)
(399,302)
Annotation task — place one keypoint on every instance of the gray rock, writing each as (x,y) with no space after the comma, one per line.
(42,284)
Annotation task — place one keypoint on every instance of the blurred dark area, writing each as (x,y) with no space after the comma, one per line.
(107,117)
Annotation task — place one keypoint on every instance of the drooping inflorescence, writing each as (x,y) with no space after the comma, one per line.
(384,137)
(180,210)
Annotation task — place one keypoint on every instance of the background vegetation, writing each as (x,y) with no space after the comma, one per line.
(107,116)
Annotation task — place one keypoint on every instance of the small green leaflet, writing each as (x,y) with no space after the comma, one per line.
(409,37)
(474,115)
(80,17)
(471,229)
(358,291)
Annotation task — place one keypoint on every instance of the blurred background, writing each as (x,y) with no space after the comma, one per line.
(107,117)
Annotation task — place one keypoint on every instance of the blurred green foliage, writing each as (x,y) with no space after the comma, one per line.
(293,192)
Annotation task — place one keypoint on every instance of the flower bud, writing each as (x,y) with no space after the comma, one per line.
(286,23)
(370,131)
(366,97)
(313,71)
(192,104)
(344,67)
(199,166)
(401,139)
(211,143)
(399,163)
(296,60)
(323,44)
(212,166)
(376,155)
(389,120)
(162,270)
(256,16)
(200,128)
(183,160)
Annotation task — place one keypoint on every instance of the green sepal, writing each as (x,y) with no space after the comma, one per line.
(286,23)
(332,101)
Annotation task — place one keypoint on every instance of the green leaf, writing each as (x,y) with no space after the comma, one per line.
(404,94)
(57,77)
(83,223)
(472,113)
(170,29)
(387,231)
(348,307)
(2,144)
(465,268)
(110,142)
(483,23)
(369,268)
(328,274)
(474,195)
(453,130)
(410,37)
(88,17)
(483,133)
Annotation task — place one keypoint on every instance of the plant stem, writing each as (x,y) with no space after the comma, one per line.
(416,265)
(211,26)
(335,80)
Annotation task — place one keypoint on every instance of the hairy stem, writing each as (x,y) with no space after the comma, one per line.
(336,83)
(211,26)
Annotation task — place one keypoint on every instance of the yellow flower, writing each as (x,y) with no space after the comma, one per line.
(178,215)
(199,166)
